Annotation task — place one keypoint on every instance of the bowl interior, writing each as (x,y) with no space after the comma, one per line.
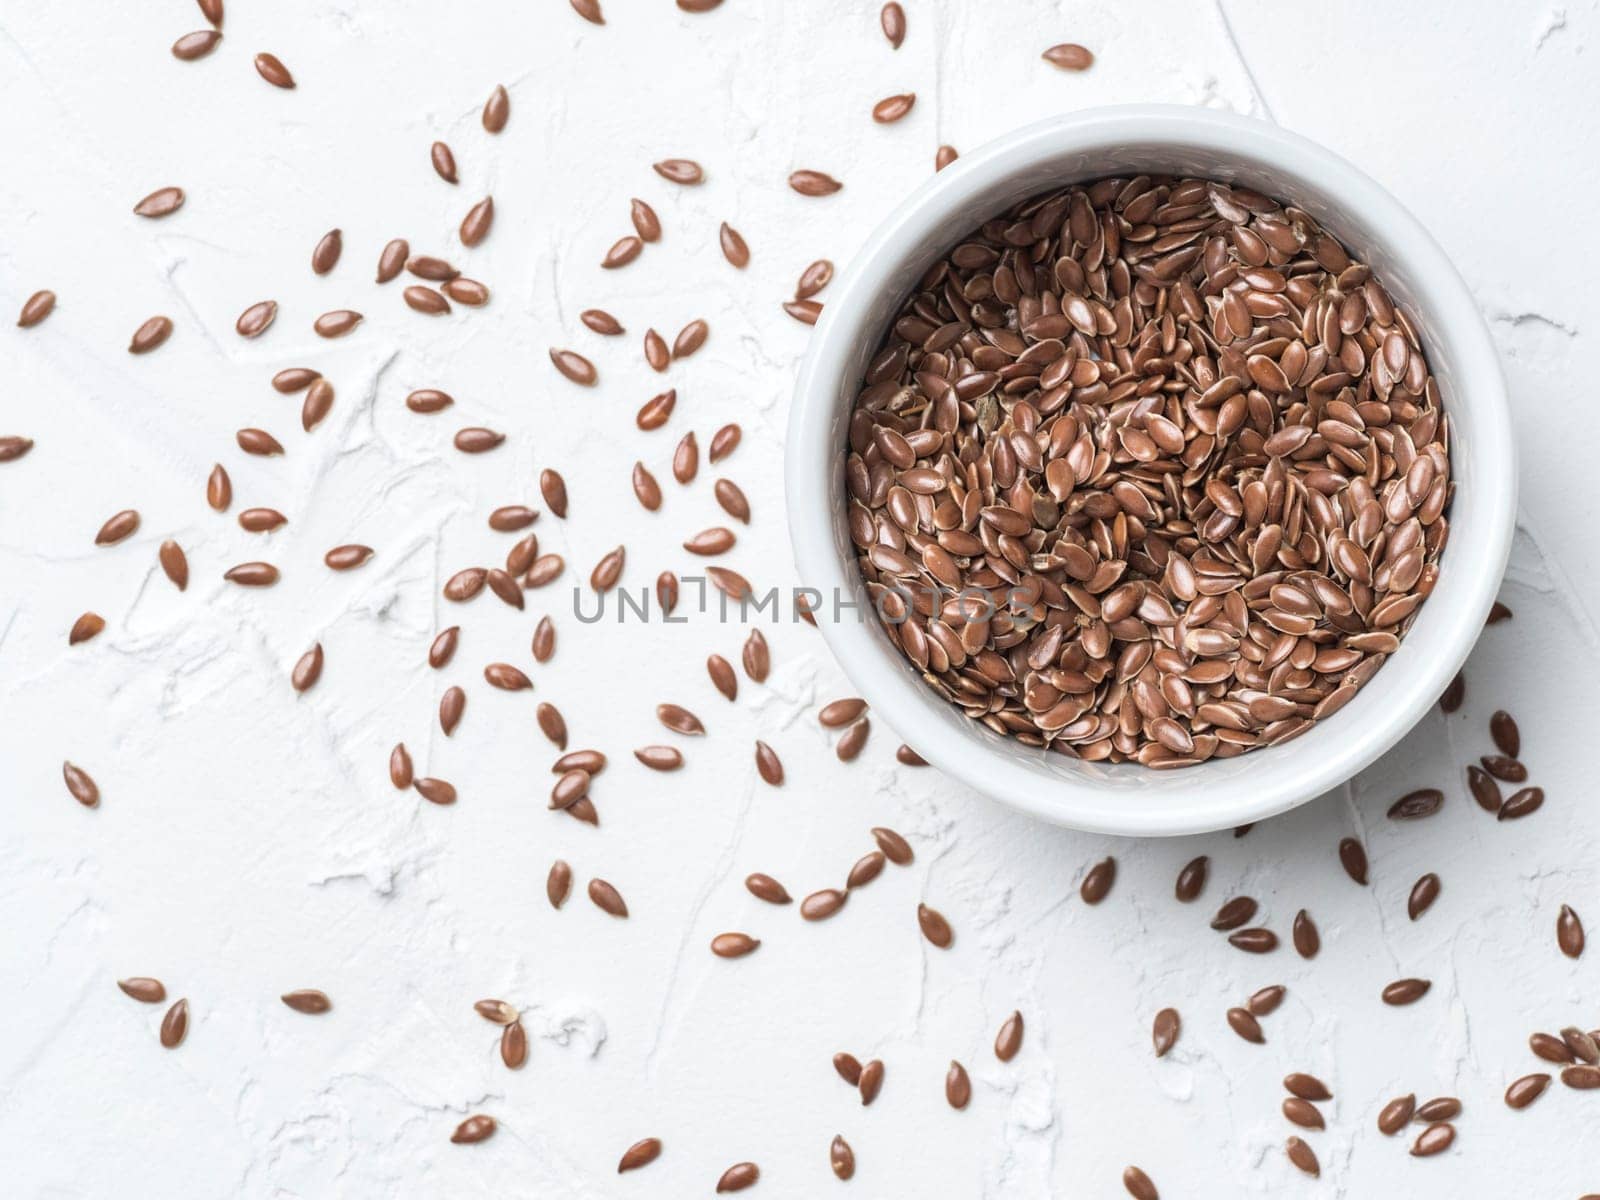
(1128,798)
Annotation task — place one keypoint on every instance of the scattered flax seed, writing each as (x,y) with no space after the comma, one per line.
(1521,803)
(690,338)
(1192,879)
(87,626)
(1234,913)
(436,791)
(477,440)
(1405,991)
(733,945)
(853,740)
(1499,612)
(848,1068)
(680,720)
(443,647)
(336,323)
(1069,56)
(162,202)
(1302,1113)
(1138,1184)
(575,367)
(1454,694)
(252,574)
(558,883)
(347,558)
(738,1177)
(444,162)
(686,459)
(117,527)
(892,19)
(1307,941)
(1423,893)
(552,724)
(1423,802)
(732,499)
(768,765)
(821,905)
(906,756)
(496,1011)
(273,71)
(814,183)
(80,785)
(895,848)
(400,769)
(476,224)
(601,322)
(1097,883)
(392,260)
(893,108)
(474,1129)
(1307,1087)
(934,926)
(426,301)
(1302,1156)
(308,669)
(867,868)
(1440,1108)
(1164,1031)
(1523,1092)
(711,542)
(144,989)
(1244,1023)
(514,1045)
(175,1025)
(1435,1139)
(255,320)
(1265,1002)
(452,705)
(841,1158)
(734,248)
(765,887)
(1396,1115)
(679,170)
(623,251)
(1569,932)
(195,45)
(554,490)
(258,442)
(655,412)
(607,898)
(1353,857)
(640,1154)
(308,1000)
(871,1082)
(318,403)
(35,309)
(804,311)
(1009,1040)
(151,334)
(757,656)
(813,279)
(589,10)
(944,157)
(645,221)
(957,1086)
(496,110)
(659,758)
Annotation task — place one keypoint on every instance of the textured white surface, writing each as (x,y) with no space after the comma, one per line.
(249,842)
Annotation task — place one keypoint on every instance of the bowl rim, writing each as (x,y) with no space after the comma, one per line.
(886,686)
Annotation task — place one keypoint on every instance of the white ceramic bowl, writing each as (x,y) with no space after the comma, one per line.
(1126,798)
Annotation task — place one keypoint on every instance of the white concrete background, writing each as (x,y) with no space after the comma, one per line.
(249,841)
